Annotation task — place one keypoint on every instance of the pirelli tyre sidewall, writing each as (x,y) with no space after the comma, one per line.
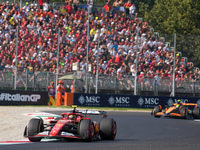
(108,129)
(184,112)
(156,110)
(86,130)
(34,127)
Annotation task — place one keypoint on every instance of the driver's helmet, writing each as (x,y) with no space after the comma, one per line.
(71,117)
(178,101)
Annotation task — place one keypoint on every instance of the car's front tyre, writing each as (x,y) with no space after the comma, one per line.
(35,126)
(156,110)
(184,112)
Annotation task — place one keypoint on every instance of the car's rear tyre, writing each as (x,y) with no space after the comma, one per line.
(108,129)
(184,112)
(86,130)
(35,126)
(156,110)
(196,113)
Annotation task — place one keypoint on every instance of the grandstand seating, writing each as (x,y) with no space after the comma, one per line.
(38,37)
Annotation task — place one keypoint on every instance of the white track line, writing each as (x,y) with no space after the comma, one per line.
(197,120)
(26,141)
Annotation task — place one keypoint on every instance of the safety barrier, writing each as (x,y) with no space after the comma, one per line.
(16,97)
(11,97)
(128,101)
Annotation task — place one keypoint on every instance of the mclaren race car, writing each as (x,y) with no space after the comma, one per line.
(184,111)
(72,125)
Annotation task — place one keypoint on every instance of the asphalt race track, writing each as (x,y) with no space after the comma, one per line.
(136,131)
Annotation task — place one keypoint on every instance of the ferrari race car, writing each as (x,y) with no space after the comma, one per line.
(184,111)
(72,125)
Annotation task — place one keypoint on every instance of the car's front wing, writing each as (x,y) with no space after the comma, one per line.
(46,134)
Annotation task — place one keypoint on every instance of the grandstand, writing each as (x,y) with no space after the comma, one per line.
(38,44)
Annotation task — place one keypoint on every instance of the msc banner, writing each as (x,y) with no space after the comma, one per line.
(17,97)
(129,101)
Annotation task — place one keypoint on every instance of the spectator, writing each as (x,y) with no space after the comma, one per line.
(72,88)
(121,6)
(132,9)
(93,32)
(116,5)
(127,6)
(40,4)
(16,7)
(51,91)
(7,5)
(76,3)
(69,8)
(45,6)
(107,8)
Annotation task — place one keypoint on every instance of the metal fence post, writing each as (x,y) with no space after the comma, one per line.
(47,80)
(20,5)
(135,83)
(88,28)
(34,82)
(89,84)
(16,53)
(173,82)
(154,87)
(57,59)
(115,85)
(13,81)
(193,91)
(26,80)
(97,72)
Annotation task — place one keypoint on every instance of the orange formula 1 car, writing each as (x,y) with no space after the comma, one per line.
(184,111)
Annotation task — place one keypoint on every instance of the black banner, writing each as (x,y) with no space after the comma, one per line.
(129,101)
(17,97)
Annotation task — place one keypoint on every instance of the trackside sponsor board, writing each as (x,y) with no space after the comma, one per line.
(129,101)
(17,97)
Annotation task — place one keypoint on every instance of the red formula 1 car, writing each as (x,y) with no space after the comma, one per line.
(184,111)
(72,125)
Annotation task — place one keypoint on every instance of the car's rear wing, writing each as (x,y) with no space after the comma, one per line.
(88,112)
(93,112)
(187,104)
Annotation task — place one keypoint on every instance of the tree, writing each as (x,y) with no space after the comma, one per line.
(177,16)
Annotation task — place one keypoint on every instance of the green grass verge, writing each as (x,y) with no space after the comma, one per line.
(84,107)
(110,108)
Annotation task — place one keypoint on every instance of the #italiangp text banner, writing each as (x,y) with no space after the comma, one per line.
(17,97)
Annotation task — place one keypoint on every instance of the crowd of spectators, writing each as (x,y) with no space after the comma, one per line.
(117,25)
